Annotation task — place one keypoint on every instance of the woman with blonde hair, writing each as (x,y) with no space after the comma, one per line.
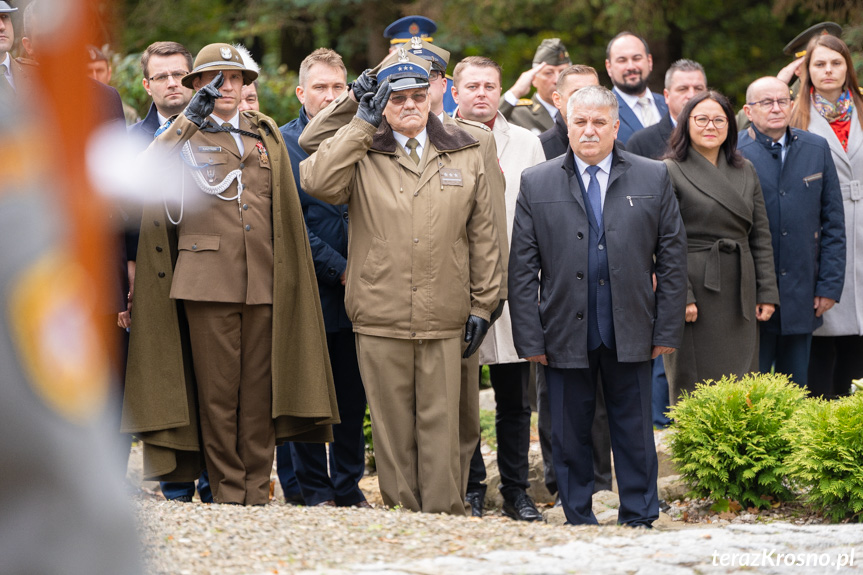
(830,105)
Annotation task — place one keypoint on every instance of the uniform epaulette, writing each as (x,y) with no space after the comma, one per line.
(473,123)
(524,102)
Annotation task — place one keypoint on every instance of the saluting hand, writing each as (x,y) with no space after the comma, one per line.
(525,81)
(204,101)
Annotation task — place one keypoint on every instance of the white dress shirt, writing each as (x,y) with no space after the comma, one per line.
(602,175)
(632,102)
(235,122)
(422,138)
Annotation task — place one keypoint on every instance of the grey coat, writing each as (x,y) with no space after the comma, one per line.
(846,317)
(730,269)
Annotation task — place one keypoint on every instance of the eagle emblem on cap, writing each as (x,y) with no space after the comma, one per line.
(403,55)
(414,29)
(416,43)
(225,52)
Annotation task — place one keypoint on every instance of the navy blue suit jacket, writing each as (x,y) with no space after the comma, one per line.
(327,226)
(551,233)
(807,223)
(629,122)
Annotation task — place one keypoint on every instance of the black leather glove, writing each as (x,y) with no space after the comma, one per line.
(372,105)
(495,315)
(364,84)
(202,103)
(474,332)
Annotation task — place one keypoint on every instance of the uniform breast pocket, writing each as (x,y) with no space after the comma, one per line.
(198,243)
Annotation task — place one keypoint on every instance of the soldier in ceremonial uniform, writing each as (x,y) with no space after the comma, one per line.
(228,333)
(537,114)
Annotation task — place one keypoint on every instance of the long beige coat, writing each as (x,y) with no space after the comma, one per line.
(846,317)
(517,150)
(160,405)
(422,249)
(730,268)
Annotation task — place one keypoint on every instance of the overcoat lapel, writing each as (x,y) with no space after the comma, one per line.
(855,140)
(576,187)
(822,128)
(723,183)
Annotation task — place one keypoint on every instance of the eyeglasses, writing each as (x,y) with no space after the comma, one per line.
(767,104)
(434,75)
(719,122)
(162,78)
(400,99)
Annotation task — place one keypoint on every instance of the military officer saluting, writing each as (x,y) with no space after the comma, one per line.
(537,114)
(227,308)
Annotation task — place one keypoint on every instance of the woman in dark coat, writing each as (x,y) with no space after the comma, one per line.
(732,282)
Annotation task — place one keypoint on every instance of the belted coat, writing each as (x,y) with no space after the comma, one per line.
(730,269)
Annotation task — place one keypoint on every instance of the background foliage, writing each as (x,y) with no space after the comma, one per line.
(736,40)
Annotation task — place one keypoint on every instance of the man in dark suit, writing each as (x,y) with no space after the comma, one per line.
(590,228)
(683,80)
(555,140)
(7,39)
(807,223)
(328,480)
(629,63)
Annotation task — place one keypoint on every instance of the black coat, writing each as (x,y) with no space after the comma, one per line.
(549,257)
(652,142)
(807,224)
(555,140)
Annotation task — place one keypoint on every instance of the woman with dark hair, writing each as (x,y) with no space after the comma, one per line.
(731,282)
(830,105)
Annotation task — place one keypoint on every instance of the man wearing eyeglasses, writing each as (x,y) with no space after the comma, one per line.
(422,274)
(807,224)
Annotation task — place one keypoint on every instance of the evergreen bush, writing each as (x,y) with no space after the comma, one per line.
(826,440)
(728,437)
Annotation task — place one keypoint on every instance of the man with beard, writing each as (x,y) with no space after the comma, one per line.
(629,63)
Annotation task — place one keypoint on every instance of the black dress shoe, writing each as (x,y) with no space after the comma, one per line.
(475,499)
(295,499)
(521,508)
(182,499)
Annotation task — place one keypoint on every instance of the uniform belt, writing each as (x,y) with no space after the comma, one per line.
(852,190)
(712,268)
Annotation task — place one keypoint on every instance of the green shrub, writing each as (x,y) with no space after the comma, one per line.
(487,429)
(370,444)
(728,438)
(826,440)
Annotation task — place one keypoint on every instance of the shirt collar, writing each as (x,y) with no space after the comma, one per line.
(604,164)
(234,122)
(403,140)
(552,111)
(632,101)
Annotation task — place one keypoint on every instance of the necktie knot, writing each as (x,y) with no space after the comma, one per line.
(412,145)
(646,111)
(594,194)
(227,125)
(592,170)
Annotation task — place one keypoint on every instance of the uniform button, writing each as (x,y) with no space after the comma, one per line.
(579,276)
(248,227)
(156,223)
(179,131)
(579,315)
(210,160)
(194,246)
(331,272)
(602,282)
(345,215)
(601,247)
(161,274)
(782,193)
(783,272)
(579,235)
(413,289)
(784,233)
(416,240)
(242,165)
(413,334)
(159,249)
(245,206)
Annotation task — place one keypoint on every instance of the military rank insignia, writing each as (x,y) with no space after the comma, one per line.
(263,154)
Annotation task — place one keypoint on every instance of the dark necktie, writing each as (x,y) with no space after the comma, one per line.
(594,194)
(412,146)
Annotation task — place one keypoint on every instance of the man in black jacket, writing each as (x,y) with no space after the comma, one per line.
(555,140)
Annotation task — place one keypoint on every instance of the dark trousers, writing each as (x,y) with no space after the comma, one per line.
(788,354)
(627,390)
(833,363)
(347,452)
(599,434)
(285,471)
(175,489)
(659,393)
(512,425)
